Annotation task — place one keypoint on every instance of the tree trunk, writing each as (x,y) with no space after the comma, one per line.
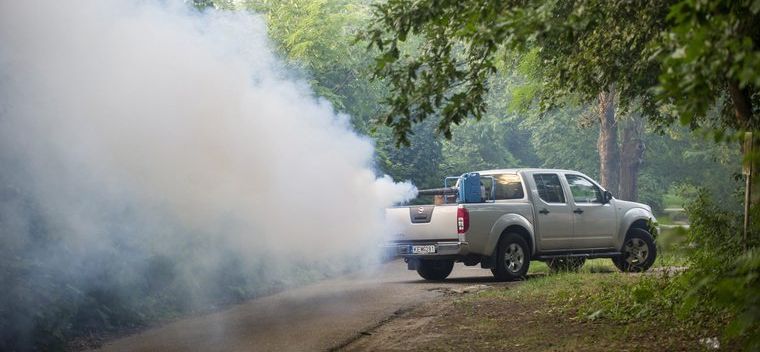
(631,156)
(743,111)
(609,154)
(742,105)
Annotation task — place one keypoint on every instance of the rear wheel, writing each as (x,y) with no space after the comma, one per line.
(566,264)
(435,270)
(638,252)
(512,258)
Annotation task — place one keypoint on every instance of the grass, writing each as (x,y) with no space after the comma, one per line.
(596,308)
(543,283)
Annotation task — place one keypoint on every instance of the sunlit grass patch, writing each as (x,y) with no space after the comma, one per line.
(598,283)
(537,267)
(578,310)
(600,294)
(600,304)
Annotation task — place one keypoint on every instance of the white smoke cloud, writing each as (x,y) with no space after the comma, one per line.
(146,126)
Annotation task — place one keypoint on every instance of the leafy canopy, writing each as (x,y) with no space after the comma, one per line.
(710,45)
(584,46)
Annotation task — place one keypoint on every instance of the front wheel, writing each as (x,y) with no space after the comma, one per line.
(512,258)
(638,252)
(435,270)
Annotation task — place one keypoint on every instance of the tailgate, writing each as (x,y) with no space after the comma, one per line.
(422,223)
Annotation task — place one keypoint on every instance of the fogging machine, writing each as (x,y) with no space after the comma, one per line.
(468,188)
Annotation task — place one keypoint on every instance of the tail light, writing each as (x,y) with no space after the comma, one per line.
(463,220)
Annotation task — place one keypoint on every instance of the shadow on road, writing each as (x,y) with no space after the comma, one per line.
(467,280)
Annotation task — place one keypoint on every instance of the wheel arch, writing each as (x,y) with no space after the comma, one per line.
(511,223)
(634,218)
(639,224)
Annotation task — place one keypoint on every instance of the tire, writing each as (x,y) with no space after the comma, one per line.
(512,258)
(638,252)
(566,264)
(435,270)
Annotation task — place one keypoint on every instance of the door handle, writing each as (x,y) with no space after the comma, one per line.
(578,211)
(544,211)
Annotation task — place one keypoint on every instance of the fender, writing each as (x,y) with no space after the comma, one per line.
(502,223)
(627,219)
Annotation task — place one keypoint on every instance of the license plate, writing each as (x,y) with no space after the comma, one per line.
(423,249)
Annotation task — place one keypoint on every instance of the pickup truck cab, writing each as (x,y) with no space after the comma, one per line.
(561,217)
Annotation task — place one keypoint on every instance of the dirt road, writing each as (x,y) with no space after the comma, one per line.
(320,316)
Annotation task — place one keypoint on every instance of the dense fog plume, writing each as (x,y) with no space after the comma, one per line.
(142,138)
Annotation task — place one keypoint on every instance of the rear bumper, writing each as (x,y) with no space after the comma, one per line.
(443,249)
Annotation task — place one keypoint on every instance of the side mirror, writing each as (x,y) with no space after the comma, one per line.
(607,197)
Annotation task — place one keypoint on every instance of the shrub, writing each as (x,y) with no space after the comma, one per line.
(722,278)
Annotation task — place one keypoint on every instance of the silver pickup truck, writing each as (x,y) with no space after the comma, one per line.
(560,217)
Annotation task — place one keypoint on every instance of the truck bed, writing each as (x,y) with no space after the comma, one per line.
(437,224)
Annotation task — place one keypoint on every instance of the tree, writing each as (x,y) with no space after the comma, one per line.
(631,155)
(502,139)
(315,38)
(618,161)
(584,49)
(609,153)
(710,57)
(682,57)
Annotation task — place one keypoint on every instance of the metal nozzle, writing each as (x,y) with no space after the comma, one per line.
(438,191)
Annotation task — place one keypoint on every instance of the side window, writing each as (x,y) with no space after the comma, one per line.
(508,186)
(583,190)
(549,188)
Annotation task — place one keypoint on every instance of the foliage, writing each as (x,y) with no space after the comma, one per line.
(502,139)
(723,279)
(420,162)
(583,46)
(481,147)
(666,58)
(295,24)
(699,163)
(719,291)
(315,37)
(739,292)
(710,49)
(562,142)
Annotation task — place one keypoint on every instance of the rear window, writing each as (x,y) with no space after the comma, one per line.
(549,188)
(508,186)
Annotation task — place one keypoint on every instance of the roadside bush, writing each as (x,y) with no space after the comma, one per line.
(738,291)
(723,278)
(719,292)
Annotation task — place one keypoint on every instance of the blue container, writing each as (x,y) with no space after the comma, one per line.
(469,188)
